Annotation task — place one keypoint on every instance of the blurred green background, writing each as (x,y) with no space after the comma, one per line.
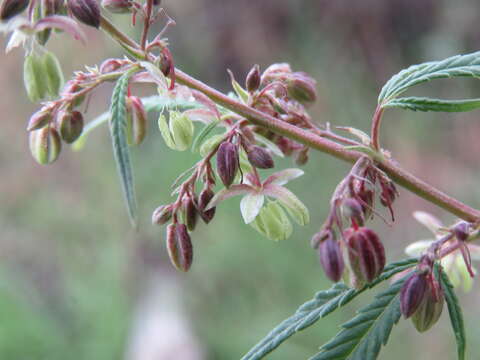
(76,282)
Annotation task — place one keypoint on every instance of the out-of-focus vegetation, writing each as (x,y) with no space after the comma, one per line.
(76,282)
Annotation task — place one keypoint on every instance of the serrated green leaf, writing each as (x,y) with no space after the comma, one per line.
(456,66)
(118,124)
(454,310)
(200,138)
(324,303)
(362,337)
(428,104)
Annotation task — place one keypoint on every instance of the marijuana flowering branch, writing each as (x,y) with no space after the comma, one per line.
(240,137)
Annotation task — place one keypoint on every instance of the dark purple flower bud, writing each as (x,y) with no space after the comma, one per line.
(11,8)
(366,255)
(252,82)
(412,294)
(352,209)
(331,258)
(179,246)
(260,158)
(204,199)
(190,212)
(227,162)
(162,215)
(85,11)
(429,311)
(301,87)
(39,119)
(70,125)
(117,6)
(462,230)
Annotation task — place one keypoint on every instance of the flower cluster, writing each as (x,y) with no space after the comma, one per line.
(353,246)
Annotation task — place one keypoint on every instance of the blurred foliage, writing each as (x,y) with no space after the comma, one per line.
(73,273)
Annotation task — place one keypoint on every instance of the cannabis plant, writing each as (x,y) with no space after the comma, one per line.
(240,134)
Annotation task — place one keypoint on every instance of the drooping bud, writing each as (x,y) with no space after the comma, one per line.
(45,145)
(352,209)
(260,158)
(33,77)
(179,246)
(366,255)
(252,82)
(366,197)
(276,72)
(331,258)
(301,87)
(70,89)
(136,121)
(70,125)
(39,119)
(190,212)
(429,311)
(412,293)
(117,6)
(11,8)
(203,200)
(181,129)
(85,11)
(162,215)
(53,74)
(227,162)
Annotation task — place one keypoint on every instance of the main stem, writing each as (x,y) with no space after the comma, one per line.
(396,173)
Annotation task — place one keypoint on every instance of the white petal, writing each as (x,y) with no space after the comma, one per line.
(428,220)
(250,206)
(417,248)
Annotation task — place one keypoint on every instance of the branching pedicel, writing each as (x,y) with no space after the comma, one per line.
(241,135)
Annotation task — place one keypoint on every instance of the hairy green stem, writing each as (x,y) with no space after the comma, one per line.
(396,173)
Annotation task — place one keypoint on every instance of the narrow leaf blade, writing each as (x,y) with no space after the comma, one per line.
(118,124)
(324,303)
(454,310)
(428,104)
(467,65)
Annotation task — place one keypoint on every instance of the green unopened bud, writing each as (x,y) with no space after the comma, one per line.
(11,8)
(33,78)
(53,74)
(181,128)
(70,125)
(190,212)
(45,145)
(273,222)
(428,312)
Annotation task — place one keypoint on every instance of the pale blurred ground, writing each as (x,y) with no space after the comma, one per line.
(77,283)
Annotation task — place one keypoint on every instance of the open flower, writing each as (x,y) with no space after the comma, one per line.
(454,264)
(264,204)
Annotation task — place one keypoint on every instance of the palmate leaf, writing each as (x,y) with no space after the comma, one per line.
(454,310)
(456,66)
(362,337)
(324,303)
(428,104)
(118,125)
